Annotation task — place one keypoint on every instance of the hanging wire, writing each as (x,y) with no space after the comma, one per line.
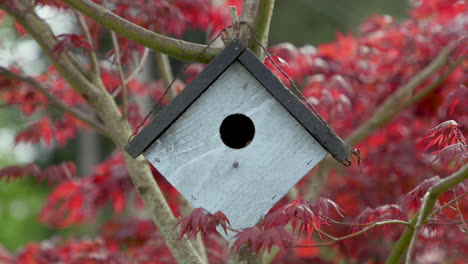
(347,162)
(178,75)
(354,151)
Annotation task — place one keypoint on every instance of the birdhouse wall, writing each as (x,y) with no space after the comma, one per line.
(243,183)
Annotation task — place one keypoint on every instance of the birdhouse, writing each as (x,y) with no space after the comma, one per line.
(236,139)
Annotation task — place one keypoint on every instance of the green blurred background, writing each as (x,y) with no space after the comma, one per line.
(297,21)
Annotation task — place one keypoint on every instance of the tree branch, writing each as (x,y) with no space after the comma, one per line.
(137,69)
(65,63)
(173,47)
(457,208)
(360,232)
(430,199)
(105,106)
(256,18)
(55,100)
(165,72)
(397,103)
(390,108)
(115,43)
(93,60)
(435,212)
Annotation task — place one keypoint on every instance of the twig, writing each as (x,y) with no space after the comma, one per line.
(368,224)
(91,53)
(105,106)
(417,228)
(362,231)
(459,212)
(393,105)
(55,100)
(235,22)
(256,14)
(137,69)
(165,72)
(435,212)
(140,65)
(176,48)
(429,88)
(115,43)
(429,201)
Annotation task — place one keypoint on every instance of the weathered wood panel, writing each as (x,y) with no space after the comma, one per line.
(243,183)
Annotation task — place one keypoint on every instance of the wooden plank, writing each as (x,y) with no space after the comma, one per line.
(243,183)
(321,131)
(182,102)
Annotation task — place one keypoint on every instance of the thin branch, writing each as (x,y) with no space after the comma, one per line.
(390,108)
(165,72)
(430,200)
(249,12)
(255,19)
(65,63)
(105,106)
(140,65)
(417,228)
(360,232)
(261,26)
(115,43)
(55,100)
(96,71)
(368,224)
(235,20)
(448,204)
(459,212)
(173,47)
(393,105)
(137,69)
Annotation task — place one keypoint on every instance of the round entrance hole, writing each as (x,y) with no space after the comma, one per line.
(237,131)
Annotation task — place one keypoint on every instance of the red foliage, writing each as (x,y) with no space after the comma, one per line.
(310,216)
(453,156)
(412,201)
(259,239)
(443,135)
(383,212)
(53,174)
(71,41)
(200,220)
(347,81)
(47,131)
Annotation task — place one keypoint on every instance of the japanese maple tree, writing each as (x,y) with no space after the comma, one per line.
(397,91)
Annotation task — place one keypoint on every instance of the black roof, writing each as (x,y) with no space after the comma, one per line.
(232,53)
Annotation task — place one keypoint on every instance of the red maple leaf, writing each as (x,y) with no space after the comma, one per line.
(412,201)
(383,212)
(309,216)
(70,41)
(344,49)
(454,101)
(200,220)
(444,134)
(259,240)
(453,156)
(55,173)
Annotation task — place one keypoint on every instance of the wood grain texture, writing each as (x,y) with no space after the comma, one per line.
(312,123)
(197,87)
(243,183)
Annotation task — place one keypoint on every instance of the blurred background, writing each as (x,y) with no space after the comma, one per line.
(299,22)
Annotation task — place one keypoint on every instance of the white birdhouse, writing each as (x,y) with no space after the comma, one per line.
(236,139)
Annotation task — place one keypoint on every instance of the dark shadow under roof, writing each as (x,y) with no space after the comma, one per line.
(238,52)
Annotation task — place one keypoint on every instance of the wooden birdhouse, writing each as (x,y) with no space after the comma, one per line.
(236,139)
